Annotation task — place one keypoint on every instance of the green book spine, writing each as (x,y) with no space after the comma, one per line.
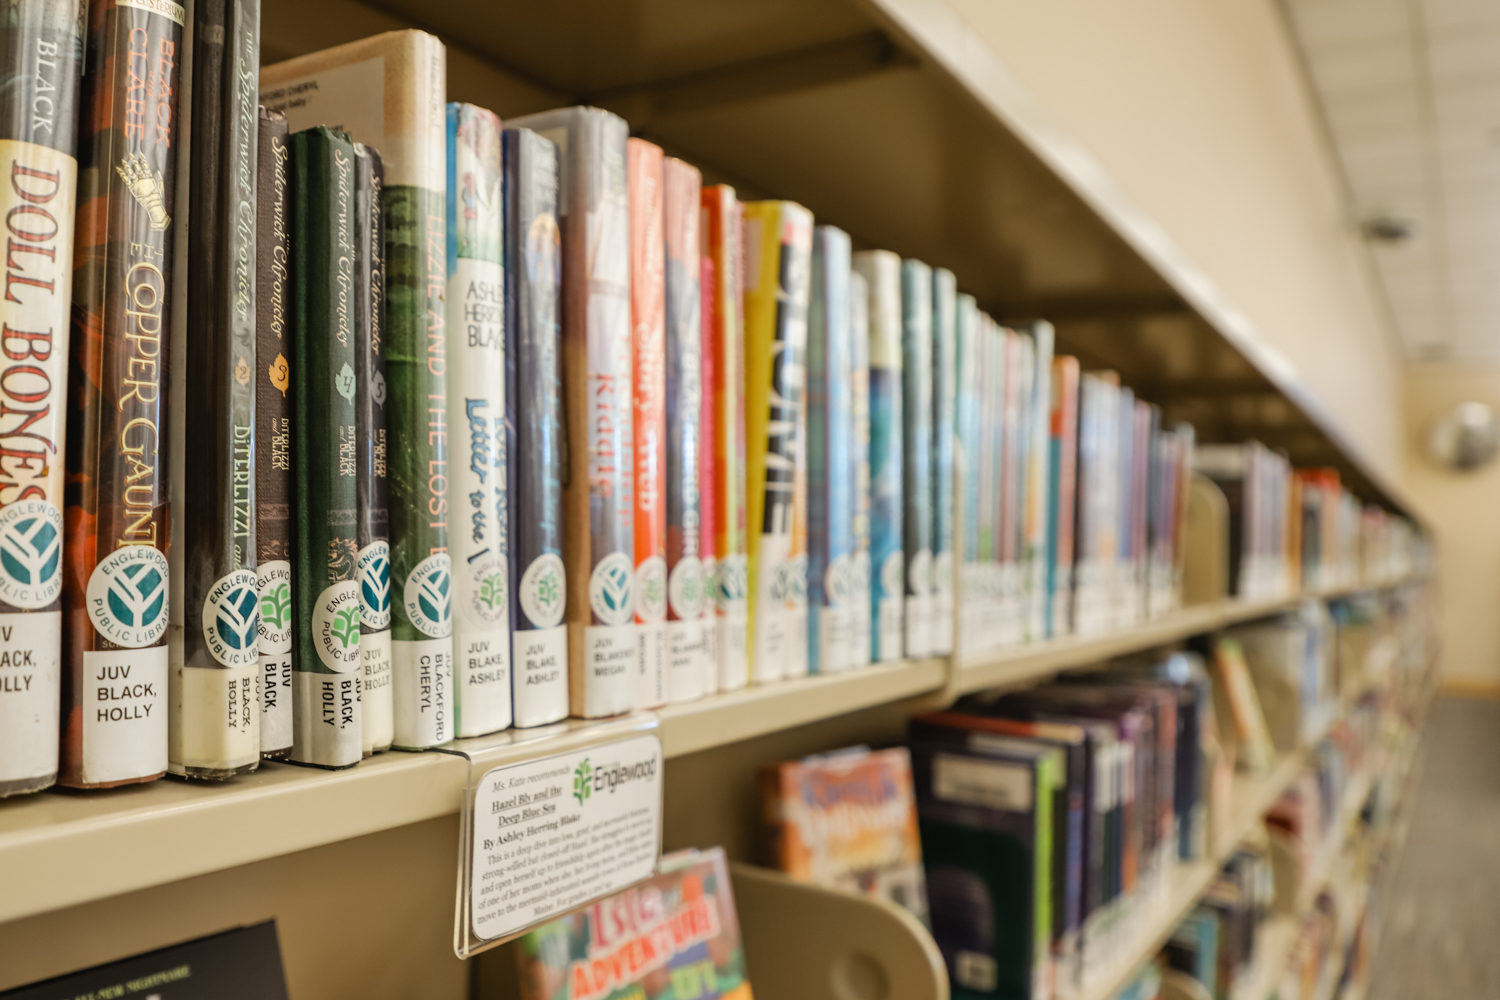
(377,728)
(326,692)
(214,727)
(273,435)
(42,43)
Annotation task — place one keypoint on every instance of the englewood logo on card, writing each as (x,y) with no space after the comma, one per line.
(231,619)
(335,626)
(30,554)
(428,596)
(127,596)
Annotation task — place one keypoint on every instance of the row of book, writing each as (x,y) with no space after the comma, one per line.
(474,426)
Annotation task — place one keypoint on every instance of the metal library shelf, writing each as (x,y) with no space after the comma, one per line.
(1251,798)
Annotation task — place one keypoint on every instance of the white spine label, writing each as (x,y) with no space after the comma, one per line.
(377,728)
(216,725)
(651,640)
(541,675)
(124,713)
(423,671)
(328,719)
(482,674)
(30,690)
(731,641)
(611,677)
(687,643)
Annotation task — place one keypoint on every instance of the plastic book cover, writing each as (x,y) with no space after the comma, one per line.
(643,171)
(533,396)
(1012,483)
(214,722)
(599,484)
(675,936)
(861,636)
(45,40)
(708,496)
(881,270)
(992,395)
(985,814)
(969,344)
(118,490)
(478,442)
(686,642)
(723,245)
(407,126)
(778,251)
(1061,495)
(273,434)
(945,380)
(1038,480)
(832,595)
(848,820)
(916,452)
(372,432)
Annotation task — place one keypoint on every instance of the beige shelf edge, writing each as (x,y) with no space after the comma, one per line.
(1252,797)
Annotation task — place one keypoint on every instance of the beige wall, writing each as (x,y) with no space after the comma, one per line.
(1465,510)
(1198,112)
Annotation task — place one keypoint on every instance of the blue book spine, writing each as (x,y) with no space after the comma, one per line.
(830,449)
(916,469)
(534,423)
(944,403)
(882,273)
(1039,455)
(967,338)
(861,631)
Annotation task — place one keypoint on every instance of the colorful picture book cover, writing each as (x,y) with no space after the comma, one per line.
(673,937)
(848,820)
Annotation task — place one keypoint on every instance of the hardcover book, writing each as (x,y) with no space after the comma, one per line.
(832,596)
(881,271)
(406,125)
(478,442)
(675,936)
(327,683)
(533,358)
(649,380)
(43,45)
(969,337)
(861,631)
(115,562)
(686,641)
(944,437)
(847,820)
(1061,491)
(598,498)
(372,436)
(273,432)
(916,452)
(722,225)
(708,497)
(1038,479)
(778,241)
(214,722)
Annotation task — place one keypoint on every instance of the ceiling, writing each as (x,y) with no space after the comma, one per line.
(1410,92)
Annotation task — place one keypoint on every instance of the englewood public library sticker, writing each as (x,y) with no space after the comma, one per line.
(127,596)
(553,834)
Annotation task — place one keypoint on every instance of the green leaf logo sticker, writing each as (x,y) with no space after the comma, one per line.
(276,606)
(583,784)
(346,626)
(543,591)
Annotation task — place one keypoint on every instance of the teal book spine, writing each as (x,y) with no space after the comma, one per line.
(326,707)
(916,453)
(832,596)
(1038,479)
(882,272)
(944,441)
(479,536)
(969,345)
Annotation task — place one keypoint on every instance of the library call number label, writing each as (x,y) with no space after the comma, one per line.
(553,834)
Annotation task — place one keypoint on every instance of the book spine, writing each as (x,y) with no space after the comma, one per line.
(377,727)
(1125,502)
(969,344)
(1063,478)
(116,573)
(944,438)
(533,360)
(1039,459)
(598,497)
(327,684)
(708,535)
(861,637)
(882,274)
(273,435)
(731,575)
(778,242)
(42,42)
(992,501)
(686,646)
(1011,481)
(214,725)
(480,538)
(916,452)
(649,381)
(830,454)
